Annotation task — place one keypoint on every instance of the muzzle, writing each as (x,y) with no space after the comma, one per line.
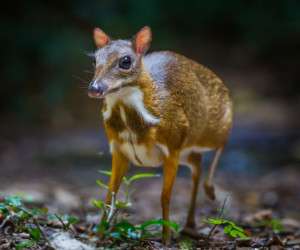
(97,89)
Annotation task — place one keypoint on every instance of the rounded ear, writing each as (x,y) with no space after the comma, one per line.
(100,38)
(142,40)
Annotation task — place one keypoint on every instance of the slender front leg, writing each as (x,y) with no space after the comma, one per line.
(119,168)
(169,174)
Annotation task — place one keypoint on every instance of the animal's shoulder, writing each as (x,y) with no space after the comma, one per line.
(158,64)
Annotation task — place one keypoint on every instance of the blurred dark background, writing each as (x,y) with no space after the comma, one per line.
(48,123)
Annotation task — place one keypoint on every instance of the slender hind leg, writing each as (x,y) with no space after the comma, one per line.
(194,162)
(170,170)
(208,184)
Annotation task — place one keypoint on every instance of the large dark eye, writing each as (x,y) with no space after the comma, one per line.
(125,62)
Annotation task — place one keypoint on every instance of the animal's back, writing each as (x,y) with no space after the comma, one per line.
(192,99)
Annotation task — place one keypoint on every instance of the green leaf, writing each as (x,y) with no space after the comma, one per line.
(127,230)
(101,184)
(126,180)
(102,227)
(214,221)
(227,229)
(276,225)
(108,173)
(35,233)
(230,228)
(122,204)
(124,225)
(71,220)
(172,225)
(160,222)
(66,220)
(237,228)
(25,244)
(237,234)
(98,204)
(141,176)
(23,215)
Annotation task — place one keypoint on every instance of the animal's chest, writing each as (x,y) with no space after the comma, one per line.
(124,118)
(133,135)
(140,154)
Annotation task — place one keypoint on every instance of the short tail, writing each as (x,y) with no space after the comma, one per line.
(208,184)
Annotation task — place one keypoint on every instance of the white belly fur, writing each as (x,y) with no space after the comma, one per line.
(140,155)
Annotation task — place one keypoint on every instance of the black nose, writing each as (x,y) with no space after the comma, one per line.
(96,89)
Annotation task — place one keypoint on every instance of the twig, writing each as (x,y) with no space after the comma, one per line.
(61,221)
(66,227)
(219,217)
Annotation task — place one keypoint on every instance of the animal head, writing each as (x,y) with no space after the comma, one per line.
(118,62)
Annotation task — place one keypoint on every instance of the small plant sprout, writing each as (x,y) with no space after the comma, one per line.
(127,182)
(229,227)
(115,226)
(274,224)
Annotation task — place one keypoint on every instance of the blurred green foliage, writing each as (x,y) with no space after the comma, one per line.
(44,42)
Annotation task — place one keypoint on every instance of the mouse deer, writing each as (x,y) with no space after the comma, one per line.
(159,109)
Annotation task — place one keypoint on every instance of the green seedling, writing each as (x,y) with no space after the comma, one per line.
(116,226)
(274,224)
(229,227)
(127,181)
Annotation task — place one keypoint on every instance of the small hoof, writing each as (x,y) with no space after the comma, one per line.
(210,191)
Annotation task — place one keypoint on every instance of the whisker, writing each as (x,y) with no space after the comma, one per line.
(81,79)
(90,54)
(88,71)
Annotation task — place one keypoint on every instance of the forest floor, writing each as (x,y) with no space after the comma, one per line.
(266,208)
(263,206)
